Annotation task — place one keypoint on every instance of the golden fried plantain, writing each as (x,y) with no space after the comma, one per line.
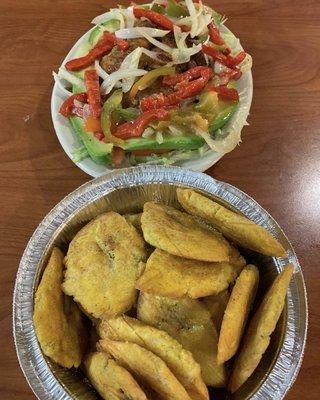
(147,366)
(216,305)
(172,276)
(181,235)
(103,262)
(257,336)
(236,313)
(110,379)
(179,360)
(235,227)
(59,324)
(135,220)
(188,321)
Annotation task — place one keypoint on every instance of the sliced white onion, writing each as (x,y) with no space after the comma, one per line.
(114,13)
(131,61)
(113,78)
(86,111)
(180,37)
(69,77)
(203,22)
(159,137)
(156,42)
(57,80)
(183,55)
(148,132)
(219,68)
(193,15)
(100,71)
(206,136)
(133,33)
(175,131)
(128,16)
(151,54)
(246,64)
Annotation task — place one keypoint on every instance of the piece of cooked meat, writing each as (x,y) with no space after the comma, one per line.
(112,61)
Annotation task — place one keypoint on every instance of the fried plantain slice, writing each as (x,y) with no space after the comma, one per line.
(147,366)
(135,220)
(235,227)
(59,324)
(103,262)
(257,336)
(172,276)
(188,321)
(216,305)
(110,379)
(236,313)
(179,360)
(181,235)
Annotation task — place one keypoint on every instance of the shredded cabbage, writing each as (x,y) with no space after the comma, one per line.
(132,33)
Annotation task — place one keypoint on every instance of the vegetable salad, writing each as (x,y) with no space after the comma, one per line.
(155,83)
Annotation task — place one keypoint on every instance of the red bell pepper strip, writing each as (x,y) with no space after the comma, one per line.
(99,135)
(234,61)
(224,59)
(215,54)
(157,18)
(225,93)
(120,43)
(229,74)
(185,89)
(103,47)
(136,127)
(192,73)
(214,34)
(68,108)
(91,80)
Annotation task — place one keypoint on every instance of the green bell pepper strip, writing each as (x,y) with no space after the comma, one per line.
(125,114)
(176,10)
(100,152)
(111,25)
(109,106)
(159,9)
(222,118)
(169,143)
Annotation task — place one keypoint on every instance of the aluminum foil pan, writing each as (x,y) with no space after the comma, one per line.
(126,191)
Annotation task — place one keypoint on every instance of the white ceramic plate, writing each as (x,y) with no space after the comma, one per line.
(69,141)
